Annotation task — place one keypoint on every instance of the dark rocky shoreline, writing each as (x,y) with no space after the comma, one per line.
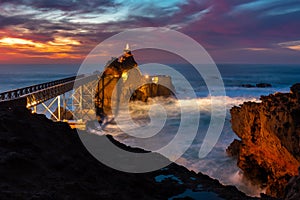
(42,159)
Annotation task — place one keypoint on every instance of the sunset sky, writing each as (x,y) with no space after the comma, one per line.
(232,31)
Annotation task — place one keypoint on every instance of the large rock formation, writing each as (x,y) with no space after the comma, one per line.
(122,81)
(269,151)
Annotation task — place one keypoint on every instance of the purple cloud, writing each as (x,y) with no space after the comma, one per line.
(226,28)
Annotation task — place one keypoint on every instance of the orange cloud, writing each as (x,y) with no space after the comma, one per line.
(256,49)
(58,48)
(293,45)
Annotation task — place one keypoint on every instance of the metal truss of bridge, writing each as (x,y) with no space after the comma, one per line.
(70,99)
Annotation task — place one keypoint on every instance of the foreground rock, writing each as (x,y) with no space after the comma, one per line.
(269,151)
(41,159)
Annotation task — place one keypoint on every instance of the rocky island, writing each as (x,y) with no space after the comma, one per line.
(269,149)
(123,74)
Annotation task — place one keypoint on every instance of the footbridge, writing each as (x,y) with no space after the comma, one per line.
(61,100)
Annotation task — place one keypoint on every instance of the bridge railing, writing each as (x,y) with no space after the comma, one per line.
(50,92)
(21,92)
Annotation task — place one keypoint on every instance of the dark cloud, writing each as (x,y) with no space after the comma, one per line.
(11,21)
(64,5)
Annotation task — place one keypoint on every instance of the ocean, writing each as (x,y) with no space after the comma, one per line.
(216,164)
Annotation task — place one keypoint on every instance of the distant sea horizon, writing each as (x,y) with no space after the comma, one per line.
(21,75)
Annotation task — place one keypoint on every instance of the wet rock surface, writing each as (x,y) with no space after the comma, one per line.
(42,159)
(269,151)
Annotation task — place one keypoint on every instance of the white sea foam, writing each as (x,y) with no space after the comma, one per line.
(243,184)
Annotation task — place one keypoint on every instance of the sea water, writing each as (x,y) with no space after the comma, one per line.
(13,76)
(216,164)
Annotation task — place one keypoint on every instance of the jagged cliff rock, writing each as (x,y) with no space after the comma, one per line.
(269,151)
(109,80)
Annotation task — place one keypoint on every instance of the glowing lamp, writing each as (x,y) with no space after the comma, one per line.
(155,79)
(124,76)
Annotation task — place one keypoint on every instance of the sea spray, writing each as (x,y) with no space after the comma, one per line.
(244,184)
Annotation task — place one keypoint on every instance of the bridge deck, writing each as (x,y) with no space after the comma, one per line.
(39,93)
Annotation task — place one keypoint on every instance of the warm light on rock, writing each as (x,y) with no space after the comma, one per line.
(269,151)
